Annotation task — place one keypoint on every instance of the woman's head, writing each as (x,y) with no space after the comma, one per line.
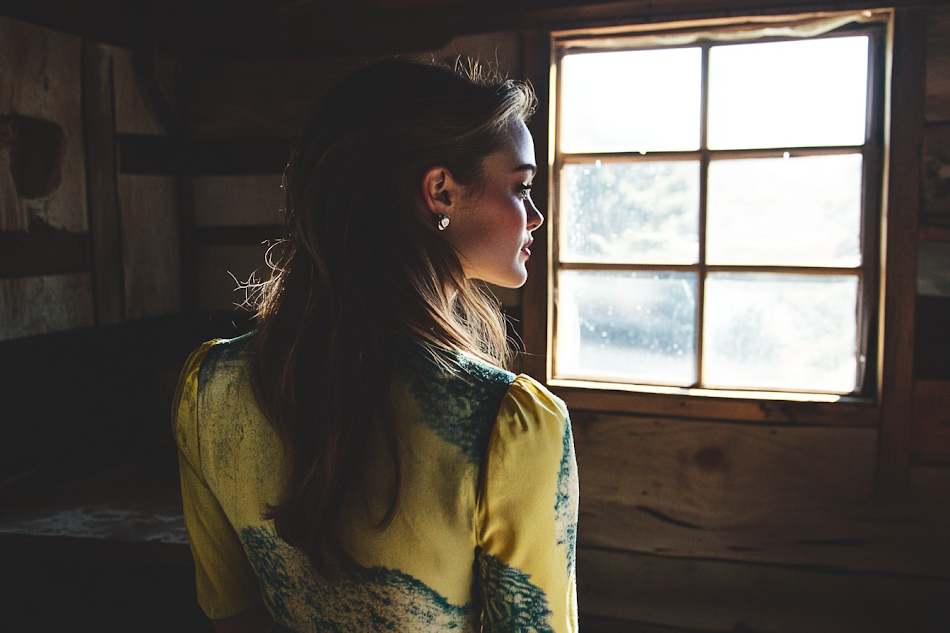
(355,180)
(490,223)
(385,154)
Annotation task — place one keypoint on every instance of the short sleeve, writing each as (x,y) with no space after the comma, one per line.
(526,515)
(226,582)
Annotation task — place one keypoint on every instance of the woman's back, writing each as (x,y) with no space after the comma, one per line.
(483,531)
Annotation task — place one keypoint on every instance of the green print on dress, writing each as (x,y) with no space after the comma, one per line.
(380,600)
(511,602)
(565,508)
(459,406)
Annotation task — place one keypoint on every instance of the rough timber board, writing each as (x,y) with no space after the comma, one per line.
(238,200)
(714,595)
(134,111)
(39,305)
(150,245)
(40,77)
(221,103)
(938,65)
(779,494)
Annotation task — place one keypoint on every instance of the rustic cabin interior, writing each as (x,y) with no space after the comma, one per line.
(142,146)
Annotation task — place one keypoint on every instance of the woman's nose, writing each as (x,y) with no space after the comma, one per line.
(535,219)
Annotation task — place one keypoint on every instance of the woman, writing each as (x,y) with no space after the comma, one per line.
(361,461)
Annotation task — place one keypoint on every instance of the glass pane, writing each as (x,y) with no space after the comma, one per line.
(802,211)
(642,213)
(788,94)
(795,332)
(631,101)
(626,326)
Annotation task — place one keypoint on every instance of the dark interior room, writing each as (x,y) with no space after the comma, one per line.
(758,375)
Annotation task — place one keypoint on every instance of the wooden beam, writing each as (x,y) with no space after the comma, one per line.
(905,102)
(756,493)
(237,235)
(537,70)
(98,104)
(161,155)
(844,412)
(261,29)
(676,594)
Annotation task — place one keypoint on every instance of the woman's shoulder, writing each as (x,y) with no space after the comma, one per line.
(457,395)
(224,356)
(529,410)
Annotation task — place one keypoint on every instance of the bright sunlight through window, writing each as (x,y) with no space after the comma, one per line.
(709,215)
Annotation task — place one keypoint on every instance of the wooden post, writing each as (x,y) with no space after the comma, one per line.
(98,104)
(899,230)
(537,70)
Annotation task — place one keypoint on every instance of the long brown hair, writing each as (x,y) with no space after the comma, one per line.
(364,269)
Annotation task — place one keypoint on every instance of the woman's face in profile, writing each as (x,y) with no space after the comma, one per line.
(491,229)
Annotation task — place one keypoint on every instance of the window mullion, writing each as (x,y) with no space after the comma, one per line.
(703,188)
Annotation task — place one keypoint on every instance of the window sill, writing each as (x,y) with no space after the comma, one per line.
(745,406)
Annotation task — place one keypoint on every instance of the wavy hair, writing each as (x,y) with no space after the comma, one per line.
(363,270)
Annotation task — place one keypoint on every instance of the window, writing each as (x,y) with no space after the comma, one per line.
(714,202)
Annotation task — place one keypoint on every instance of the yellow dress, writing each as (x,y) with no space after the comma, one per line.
(484,533)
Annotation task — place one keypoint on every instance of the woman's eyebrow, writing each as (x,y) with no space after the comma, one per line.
(526,167)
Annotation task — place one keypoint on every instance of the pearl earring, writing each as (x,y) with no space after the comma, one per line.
(443,222)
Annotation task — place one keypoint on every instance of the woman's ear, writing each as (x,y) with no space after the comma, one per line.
(440,191)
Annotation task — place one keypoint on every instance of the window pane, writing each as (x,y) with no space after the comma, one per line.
(788,94)
(631,101)
(642,213)
(781,332)
(802,211)
(630,326)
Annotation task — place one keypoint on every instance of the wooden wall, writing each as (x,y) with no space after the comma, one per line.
(262,105)
(711,525)
(99,246)
(719,525)
(40,77)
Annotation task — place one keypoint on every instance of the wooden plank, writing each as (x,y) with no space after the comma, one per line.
(932,340)
(237,235)
(301,29)
(145,154)
(135,109)
(935,173)
(255,199)
(39,305)
(150,243)
(705,405)
(40,77)
(937,107)
(789,495)
(714,595)
(43,250)
(933,234)
(930,434)
(99,130)
(535,293)
(906,97)
(220,105)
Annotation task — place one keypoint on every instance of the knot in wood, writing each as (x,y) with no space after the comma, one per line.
(709,458)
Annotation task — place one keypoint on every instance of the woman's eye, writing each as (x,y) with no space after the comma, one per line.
(525,191)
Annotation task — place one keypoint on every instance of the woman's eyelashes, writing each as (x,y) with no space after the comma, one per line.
(524,191)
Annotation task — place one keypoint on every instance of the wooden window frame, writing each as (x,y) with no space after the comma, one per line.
(898,88)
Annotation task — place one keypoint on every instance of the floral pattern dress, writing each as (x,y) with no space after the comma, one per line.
(484,533)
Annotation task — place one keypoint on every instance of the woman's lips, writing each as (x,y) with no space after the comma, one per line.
(526,248)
